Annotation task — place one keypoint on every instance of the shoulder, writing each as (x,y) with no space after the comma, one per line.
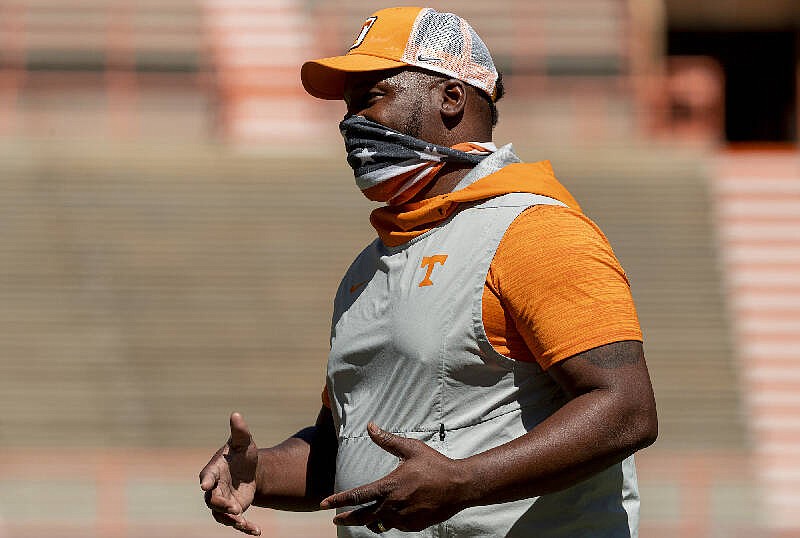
(551,230)
(545,218)
(554,246)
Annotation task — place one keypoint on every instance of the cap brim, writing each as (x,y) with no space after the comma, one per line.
(324,78)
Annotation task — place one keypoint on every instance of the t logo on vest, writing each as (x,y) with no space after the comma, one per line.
(430,262)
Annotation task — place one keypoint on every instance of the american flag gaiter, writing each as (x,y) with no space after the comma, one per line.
(392,167)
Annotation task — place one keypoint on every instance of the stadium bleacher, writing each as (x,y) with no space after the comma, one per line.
(154,277)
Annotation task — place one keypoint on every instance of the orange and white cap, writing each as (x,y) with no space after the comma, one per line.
(406,36)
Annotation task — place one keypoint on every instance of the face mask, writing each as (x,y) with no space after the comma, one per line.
(393,167)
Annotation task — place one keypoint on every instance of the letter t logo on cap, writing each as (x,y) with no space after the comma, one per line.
(364,30)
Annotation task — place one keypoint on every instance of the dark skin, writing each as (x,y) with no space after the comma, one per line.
(611,413)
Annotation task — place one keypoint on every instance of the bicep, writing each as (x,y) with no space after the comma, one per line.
(616,376)
(618,367)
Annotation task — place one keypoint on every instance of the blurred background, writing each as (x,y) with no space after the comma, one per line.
(175,214)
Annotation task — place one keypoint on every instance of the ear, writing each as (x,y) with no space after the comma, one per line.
(454,100)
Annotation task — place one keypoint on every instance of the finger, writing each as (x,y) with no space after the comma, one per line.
(237,522)
(218,504)
(247,527)
(402,447)
(220,499)
(358,517)
(224,519)
(360,495)
(240,434)
(209,476)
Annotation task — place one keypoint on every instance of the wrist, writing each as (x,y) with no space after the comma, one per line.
(464,483)
(261,483)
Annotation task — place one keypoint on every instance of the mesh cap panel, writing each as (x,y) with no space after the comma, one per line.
(447,44)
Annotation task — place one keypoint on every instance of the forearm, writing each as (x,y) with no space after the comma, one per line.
(281,476)
(296,474)
(590,433)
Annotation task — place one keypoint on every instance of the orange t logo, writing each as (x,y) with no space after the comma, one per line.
(430,261)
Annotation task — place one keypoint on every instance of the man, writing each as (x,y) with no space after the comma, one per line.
(486,374)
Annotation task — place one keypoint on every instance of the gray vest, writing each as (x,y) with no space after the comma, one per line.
(409,352)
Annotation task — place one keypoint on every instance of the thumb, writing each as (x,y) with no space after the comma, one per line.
(240,434)
(401,447)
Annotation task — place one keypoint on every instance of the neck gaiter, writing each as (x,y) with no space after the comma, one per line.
(392,167)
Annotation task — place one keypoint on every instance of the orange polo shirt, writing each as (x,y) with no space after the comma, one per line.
(555,289)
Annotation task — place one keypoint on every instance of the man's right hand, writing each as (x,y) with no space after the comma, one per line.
(229,479)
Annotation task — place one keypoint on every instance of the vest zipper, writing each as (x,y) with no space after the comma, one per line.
(441,432)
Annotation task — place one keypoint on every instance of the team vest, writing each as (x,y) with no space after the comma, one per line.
(409,352)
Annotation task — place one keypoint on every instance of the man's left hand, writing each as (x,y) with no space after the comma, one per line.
(425,489)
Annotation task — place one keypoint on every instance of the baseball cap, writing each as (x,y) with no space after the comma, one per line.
(406,36)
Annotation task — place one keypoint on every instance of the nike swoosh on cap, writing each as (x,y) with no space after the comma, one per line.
(422,58)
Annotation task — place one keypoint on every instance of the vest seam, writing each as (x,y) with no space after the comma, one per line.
(463,280)
(442,367)
(490,419)
(452,429)
(440,419)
